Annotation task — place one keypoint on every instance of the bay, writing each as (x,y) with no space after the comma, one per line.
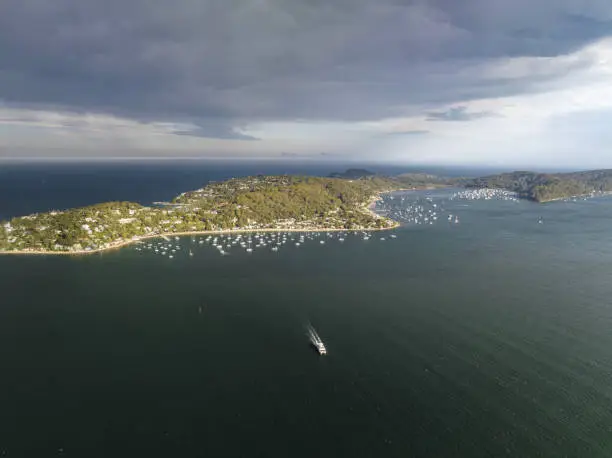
(490,337)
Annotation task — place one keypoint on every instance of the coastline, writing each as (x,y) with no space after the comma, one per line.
(125,243)
(368,206)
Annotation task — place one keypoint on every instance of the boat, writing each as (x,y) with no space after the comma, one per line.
(316,341)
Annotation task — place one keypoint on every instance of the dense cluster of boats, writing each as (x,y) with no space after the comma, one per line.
(413,211)
(248,242)
(485,194)
(407,209)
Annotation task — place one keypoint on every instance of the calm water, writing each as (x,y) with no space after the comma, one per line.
(491,337)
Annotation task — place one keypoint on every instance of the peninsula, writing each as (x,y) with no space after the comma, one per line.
(256,203)
(341,201)
(546,187)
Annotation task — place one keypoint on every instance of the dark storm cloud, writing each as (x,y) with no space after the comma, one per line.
(235,61)
(218,130)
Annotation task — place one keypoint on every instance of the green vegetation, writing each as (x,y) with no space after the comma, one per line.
(544,187)
(265,202)
(352,174)
(423,180)
(287,201)
(405,180)
(251,203)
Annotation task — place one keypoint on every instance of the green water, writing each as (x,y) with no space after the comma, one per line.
(492,337)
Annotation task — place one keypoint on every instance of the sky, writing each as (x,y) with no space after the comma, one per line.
(504,83)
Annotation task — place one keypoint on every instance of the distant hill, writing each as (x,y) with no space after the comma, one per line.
(539,187)
(418,180)
(403,181)
(544,187)
(352,174)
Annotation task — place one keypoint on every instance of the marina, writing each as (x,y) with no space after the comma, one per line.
(409,208)
(227,244)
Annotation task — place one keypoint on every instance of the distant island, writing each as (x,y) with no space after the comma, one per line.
(256,203)
(546,187)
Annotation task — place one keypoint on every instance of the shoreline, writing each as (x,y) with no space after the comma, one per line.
(183,234)
(368,206)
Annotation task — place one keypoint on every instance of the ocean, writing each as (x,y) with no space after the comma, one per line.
(486,337)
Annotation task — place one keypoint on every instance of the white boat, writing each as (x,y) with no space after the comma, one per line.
(316,341)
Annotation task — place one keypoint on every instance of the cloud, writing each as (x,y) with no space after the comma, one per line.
(407,133)
(232,60)
(562,125)
(286,154)
(91,122)
(459,114)
(217,130)
(198,73)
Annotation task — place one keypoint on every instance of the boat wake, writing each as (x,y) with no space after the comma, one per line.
(315,340)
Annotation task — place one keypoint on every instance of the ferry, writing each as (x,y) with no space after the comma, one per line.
(320,348)
(316,341)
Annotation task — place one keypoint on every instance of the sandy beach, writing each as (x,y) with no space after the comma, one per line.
(125,243)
